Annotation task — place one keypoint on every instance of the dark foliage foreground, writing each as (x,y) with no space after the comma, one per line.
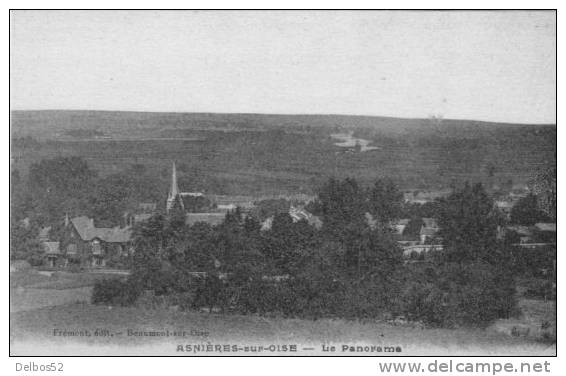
(347,269)
(115,291)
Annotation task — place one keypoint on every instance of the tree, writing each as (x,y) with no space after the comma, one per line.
(233,245)
(200,248)
(546,190)
(176,218)
(252,227)
(61,175)
(270,207)
(15,178)
(472,282)
(468,225)
(24,244)
(21,205)
(113,195)
(342,204)
(382,255)
(385,201)
(59,185)
(454,294)
(108,200)
(526,211)
(155,247)
(286,244)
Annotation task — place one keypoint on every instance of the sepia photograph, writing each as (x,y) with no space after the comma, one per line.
(301,183)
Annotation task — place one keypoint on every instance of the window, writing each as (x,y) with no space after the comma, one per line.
(96,247)
(72,248)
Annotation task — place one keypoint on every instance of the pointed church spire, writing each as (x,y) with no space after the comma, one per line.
(174,187)
(174,191)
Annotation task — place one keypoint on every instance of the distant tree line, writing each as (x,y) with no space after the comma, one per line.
(527,212)
(55,187)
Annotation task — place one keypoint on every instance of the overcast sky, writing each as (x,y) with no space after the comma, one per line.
(497,66)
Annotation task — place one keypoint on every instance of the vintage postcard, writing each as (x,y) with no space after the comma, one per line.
(290,183)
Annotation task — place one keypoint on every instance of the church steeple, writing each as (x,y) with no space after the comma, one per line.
(174,187)
(174,191)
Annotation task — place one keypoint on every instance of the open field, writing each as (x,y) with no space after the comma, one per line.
(37,309)
(34,331)
(59,280)
(251,154)
(31,290)
(54,280)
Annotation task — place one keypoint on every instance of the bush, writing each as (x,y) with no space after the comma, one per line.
(74,267)
(36,259)
(186,300)
(209,293)
(115,292)
(258,296)
(540,289)
(119,262)
(531,263)
(149,300)
(315,296)
(312,296)
(460,295)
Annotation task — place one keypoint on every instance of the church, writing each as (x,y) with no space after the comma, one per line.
(196,206)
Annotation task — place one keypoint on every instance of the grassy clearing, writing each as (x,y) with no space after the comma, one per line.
(537,322)
(31,289)
(34,327)
(39,304)
(30,299)
(27,278)
(58,280)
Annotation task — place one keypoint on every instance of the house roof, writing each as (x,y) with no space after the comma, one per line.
(504,204)
(191,194)
(147,206)
(315,221)
(521,230)
(25,222)
(429,227)
(399,225)
(87,231)
(142,217)
(52,248)
(428,231)
(299,214)
(296,216)
(267,224)
(546,227)
(430,223)
(212,219)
